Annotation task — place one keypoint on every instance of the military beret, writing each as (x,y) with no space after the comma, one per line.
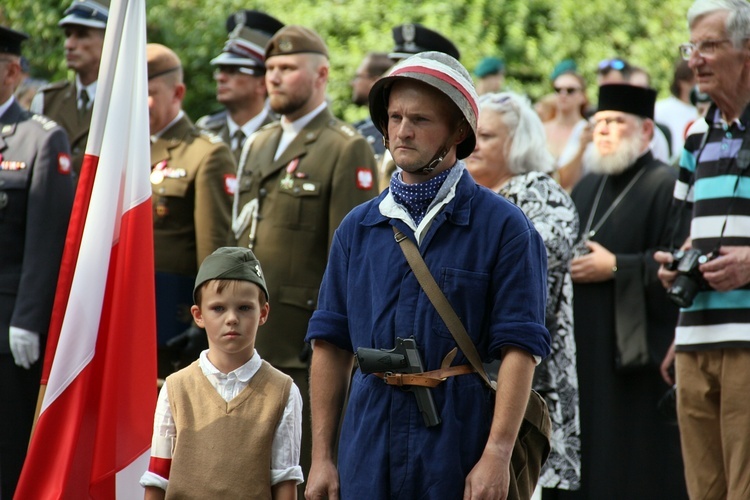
(414,38)
(254,19)
(630,99)
(10,41)
(231,263)
(247,41)
(160,60)
(90,13)
(295,40)
(564,66)
(489,66)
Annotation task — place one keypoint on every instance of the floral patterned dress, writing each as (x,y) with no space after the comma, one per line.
(554,215)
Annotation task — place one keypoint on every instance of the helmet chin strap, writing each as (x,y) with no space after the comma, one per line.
(436,159)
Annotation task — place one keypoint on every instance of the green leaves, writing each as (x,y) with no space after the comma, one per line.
(530,35)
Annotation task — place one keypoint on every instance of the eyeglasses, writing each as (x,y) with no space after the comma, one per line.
(567,90)
(705,48)
(610,120)
(611,64)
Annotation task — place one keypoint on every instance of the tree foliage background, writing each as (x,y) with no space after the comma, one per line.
(530,35)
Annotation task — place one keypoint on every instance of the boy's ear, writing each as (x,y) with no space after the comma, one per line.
(264,313)
(197,316)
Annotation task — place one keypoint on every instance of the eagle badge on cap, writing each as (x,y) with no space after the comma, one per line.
(409,31)
(285,44)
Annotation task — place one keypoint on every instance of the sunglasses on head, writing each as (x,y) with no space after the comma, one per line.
(611,64)
(566,90)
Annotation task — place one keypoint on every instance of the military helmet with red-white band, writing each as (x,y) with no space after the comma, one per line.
(443,73)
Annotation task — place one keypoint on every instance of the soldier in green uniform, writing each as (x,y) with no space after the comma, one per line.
(302,176)
(69,103)
(240,81)
(192,177)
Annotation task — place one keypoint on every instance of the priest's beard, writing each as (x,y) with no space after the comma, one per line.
(627,153)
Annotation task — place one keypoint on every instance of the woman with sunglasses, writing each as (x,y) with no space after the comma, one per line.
(568,133)
(510,158)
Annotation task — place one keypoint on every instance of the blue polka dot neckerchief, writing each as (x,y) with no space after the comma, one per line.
(416,198)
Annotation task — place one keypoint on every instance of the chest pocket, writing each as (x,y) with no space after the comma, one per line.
(466,291)
(299,204)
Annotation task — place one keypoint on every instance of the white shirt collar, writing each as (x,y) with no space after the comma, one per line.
(90,90)
(6,105)
(301,122)
(244,373)
(291,129)
(250,126)
(160,133)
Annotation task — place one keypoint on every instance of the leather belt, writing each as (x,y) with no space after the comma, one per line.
(425,379)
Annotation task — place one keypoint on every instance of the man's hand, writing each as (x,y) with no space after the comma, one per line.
(594,267)
(729,270)
(490,477)
(322,481)
(665,276)
(666,364)
(25,346)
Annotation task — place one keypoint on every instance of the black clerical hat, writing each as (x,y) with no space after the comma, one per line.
(637,101)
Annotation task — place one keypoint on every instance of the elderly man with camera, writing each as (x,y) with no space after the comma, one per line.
(712,270)
(624,321)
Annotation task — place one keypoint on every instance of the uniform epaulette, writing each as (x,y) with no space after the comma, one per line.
(46,123)
(213,121)
(212,138)
(55,86)
(343,128)
(270,125)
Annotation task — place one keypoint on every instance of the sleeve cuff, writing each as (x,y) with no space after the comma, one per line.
(290,474)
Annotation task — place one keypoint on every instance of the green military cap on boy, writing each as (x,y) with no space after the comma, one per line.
(231,263)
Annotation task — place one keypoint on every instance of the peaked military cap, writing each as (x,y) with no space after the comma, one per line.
(295,40)
(247,41)
(90,13)
(414,38)
(10,41)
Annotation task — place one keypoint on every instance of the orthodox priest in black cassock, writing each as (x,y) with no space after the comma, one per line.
(624,321)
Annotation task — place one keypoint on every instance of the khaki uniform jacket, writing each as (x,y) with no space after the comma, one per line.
(298,213)
(192,174)
(60,102)
(217,125)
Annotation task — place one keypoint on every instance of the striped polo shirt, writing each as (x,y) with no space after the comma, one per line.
(715,183)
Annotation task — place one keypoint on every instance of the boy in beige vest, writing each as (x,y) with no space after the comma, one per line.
(228,425)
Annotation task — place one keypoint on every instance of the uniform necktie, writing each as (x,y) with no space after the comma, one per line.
(239,138)
(84,102)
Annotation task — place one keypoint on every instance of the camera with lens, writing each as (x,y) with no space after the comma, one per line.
(689,279)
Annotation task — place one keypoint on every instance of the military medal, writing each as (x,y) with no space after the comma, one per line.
(157,174)
(288,182)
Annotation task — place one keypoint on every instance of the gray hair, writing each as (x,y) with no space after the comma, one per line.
(526,146)
(738,20)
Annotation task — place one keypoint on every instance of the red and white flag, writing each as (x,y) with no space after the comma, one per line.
(93,434)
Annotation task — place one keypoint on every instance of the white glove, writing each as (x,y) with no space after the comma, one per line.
(25,346)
